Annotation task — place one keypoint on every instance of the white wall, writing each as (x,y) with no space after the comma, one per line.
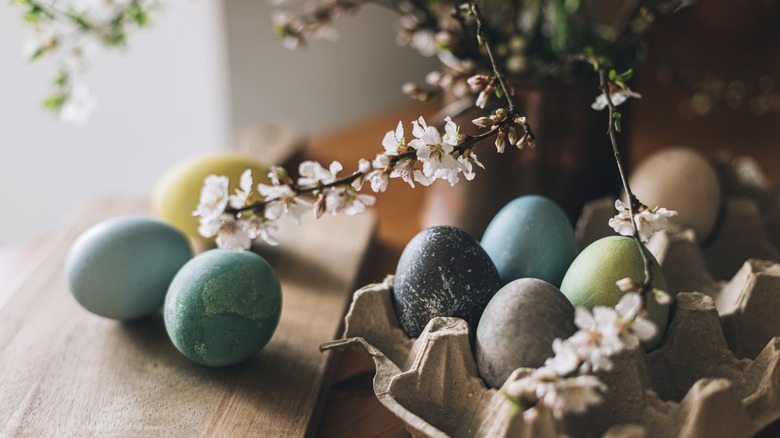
(325,85)
(178,91)
(162,100)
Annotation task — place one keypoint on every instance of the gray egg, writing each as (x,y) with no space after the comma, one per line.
(518,327)
(443,271)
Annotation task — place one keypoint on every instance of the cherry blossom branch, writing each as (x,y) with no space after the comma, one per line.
(484,39)
(633,202)
(239,218)
(462,149)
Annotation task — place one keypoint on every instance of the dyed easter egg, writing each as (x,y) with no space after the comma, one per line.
(223,307)
(176,194)
(443,271)
(121,268)
(680,179)
(518,327)
(590,281)
(530,237)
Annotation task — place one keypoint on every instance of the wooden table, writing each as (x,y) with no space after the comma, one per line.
(351,409)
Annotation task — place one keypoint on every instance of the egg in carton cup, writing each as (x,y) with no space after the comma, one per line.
(716,372)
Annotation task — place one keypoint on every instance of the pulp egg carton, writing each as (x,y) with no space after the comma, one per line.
(715,374)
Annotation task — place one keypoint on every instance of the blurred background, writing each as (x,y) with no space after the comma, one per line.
(206,71)
(192,82)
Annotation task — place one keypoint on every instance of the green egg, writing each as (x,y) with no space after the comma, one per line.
(590,280)
(223,307)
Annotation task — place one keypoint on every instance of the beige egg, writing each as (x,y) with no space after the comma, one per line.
(680,179)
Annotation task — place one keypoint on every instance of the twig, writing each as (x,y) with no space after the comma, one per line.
(633,202)
(496,69)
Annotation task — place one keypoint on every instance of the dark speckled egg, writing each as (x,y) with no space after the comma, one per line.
(443,271)
(518,327)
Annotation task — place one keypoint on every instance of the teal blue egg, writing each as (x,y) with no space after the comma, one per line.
(223,307)
(530,237)
(121,268)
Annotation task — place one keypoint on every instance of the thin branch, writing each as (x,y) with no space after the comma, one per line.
(468,143)
(633,202)
(496,69)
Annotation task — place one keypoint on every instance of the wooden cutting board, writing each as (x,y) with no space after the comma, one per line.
(67,372)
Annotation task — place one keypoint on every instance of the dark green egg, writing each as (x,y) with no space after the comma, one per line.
(223,307)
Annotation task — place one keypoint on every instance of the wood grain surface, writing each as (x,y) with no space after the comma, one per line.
(66,372)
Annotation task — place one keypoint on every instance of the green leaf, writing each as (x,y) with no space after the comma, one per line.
(55,102)
(617,116)
(62,79)
(588,52)
(80,21)
(612,75)
(141,18)
(32,16)
(37,54)
(499,93)
(116,38)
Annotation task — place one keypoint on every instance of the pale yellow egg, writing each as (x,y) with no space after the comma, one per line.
(176,194)
(680,179)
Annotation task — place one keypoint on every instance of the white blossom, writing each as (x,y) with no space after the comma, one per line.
(99,12)
(231,233)
(566,360)
(648,221)
(483,97)
(573,394)
(379,180)
(617,98)
(467,161)
(559,394)
(452,133)
(242,193)
(288,28)
(424,41)
(79,105)
(346,200)
(435,154)
(324,31)
(394,142)
(312,173)
(282,200)
(408,173)
(42,38)
(213,199)
(629,311)
(364,166)
(256,227)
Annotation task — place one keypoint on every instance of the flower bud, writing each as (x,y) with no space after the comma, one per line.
(483,122)
(477,82)
(501,141)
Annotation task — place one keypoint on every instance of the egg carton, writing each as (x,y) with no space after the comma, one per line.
(715,374)
(692,385)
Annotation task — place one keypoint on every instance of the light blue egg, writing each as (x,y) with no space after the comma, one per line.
(121,268)
(531,237)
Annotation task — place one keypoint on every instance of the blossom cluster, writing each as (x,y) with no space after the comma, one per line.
(236,219)
(69,31)
(316,23)
(566,382)
(647,220)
